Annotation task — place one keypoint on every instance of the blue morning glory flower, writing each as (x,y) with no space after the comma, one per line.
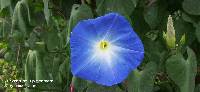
(105,50)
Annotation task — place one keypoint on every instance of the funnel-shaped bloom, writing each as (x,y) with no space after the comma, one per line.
(105,50)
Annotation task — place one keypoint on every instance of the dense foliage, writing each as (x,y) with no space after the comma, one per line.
(35,34)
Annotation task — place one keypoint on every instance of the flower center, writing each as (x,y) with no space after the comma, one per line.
(103,45)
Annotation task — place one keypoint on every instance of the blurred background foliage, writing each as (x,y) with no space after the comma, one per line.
(34,44)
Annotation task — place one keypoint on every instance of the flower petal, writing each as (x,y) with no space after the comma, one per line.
(84,30)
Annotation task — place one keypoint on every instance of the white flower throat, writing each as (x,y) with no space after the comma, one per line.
(103,50)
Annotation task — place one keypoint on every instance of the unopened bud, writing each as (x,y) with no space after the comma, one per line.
(169,36)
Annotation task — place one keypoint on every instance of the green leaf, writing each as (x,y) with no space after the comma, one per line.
(51,39)
(31,42)
(30,69)
(151,16)
(155,51)
(197,32)
(40,68)
(20,20)
(4,3)
(197,88)
(125,7)
(133,81)
(139,24)
(192,6)
(27,10)
(182,71)
(8,56)
(46,10)
(66,6)
(142,81)
(154,14)
(182,27)
(17,19)
(5,28)
(147,77)
(37,13)
(78,13)
(65,72)
(187,18)
(79,84)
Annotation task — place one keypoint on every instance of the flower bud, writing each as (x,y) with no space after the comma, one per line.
(169,36)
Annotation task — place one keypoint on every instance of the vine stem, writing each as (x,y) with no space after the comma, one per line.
(71,88)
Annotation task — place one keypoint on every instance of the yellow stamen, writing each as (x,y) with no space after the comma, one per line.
(104,45)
